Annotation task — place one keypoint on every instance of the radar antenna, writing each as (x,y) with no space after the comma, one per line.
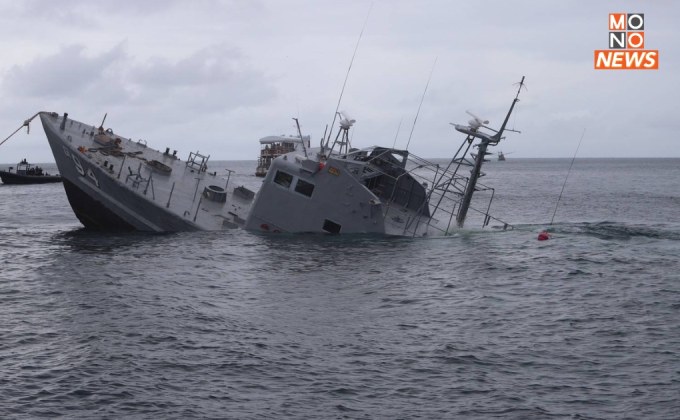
(346,122)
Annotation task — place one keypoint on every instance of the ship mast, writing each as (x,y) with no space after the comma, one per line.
(485,142)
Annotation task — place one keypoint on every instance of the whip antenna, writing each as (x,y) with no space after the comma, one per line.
(567,177)
(421,103)
(335,114)
(397,135)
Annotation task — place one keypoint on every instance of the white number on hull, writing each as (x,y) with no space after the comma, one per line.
(89,174)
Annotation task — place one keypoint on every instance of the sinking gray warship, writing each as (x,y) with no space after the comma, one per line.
(113,182)
(377,189)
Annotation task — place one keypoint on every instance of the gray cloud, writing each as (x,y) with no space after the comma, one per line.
(213,79)
(67,72)
(169,69)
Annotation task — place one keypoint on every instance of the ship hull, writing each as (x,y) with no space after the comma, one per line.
(105,196)
(93,214)
(99,201)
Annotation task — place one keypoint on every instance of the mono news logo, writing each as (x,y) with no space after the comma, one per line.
(626,45)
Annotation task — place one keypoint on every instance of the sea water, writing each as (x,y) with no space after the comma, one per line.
(486,323)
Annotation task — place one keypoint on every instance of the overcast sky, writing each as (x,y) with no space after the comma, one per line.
(215,76)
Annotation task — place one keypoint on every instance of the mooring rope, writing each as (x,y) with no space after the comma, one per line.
(25,124)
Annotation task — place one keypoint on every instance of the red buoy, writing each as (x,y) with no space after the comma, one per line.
(543,236)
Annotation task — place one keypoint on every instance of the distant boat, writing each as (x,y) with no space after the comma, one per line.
(26,173)
(272,147)
(501,156)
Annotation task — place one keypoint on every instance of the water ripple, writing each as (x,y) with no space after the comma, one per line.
(483,324)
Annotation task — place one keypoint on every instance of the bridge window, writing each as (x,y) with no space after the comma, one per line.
(304,187)
(284,179)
